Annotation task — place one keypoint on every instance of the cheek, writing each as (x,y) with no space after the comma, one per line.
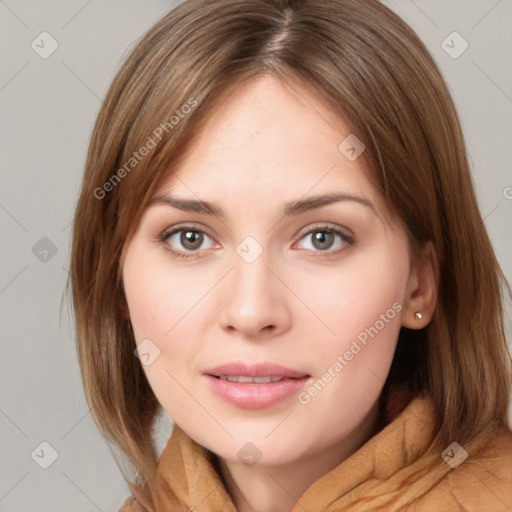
(159,305)
(360,306)
(147,301)
(155,312)
(166,307)
(360,291)
(158,295)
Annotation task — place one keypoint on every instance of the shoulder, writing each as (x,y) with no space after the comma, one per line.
(482,482)
(132,505)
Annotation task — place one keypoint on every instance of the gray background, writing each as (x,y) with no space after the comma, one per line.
(48,107)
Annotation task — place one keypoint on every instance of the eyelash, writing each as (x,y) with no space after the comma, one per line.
(162,238)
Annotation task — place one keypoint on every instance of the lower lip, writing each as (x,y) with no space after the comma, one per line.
(255,396)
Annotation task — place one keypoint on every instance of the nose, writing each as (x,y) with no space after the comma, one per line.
(254,301)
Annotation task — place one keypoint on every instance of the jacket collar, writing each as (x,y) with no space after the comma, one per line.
(371,477)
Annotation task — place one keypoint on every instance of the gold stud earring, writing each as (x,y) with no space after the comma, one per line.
(418,315)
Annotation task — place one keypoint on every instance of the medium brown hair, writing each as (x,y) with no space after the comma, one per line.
(379,77)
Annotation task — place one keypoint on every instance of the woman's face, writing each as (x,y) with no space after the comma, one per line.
(290,275)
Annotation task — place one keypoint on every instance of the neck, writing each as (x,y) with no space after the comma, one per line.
(279,488)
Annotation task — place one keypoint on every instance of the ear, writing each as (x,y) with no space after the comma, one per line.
(422,289)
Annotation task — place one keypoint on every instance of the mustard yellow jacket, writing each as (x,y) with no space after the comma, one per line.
(397,470)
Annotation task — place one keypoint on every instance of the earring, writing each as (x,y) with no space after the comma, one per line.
(418,315)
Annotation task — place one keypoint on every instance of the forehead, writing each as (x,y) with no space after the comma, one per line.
(267,142)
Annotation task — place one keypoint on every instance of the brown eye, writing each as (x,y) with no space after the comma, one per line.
(186,241)
(191,240)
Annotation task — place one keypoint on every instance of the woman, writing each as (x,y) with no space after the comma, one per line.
(278,243)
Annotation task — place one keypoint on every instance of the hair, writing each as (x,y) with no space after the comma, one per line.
(378,76)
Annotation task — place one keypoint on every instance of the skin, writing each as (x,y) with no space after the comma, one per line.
(299,304)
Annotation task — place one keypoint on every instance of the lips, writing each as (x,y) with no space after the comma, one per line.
(255,386)
(242,369)
(244,379)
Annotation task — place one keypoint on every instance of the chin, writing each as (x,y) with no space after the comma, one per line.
(257,453)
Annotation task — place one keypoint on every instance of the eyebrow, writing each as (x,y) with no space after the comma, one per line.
(292,208)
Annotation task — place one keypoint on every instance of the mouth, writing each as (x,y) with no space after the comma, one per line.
(247,370)
(255,386)
(245,379)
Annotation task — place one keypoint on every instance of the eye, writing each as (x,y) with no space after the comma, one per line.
(188,241)
(185,241)
(327,239)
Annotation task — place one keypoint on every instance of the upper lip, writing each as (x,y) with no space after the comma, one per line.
(264,369)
